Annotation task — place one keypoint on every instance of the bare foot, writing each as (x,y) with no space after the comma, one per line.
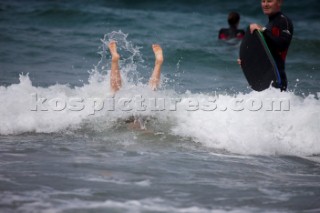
(158,53)
(113,50)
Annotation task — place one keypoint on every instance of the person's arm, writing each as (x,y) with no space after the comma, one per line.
(222,35)
(279,35)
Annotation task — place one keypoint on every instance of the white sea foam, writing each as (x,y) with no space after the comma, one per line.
(287,131)
(292,130)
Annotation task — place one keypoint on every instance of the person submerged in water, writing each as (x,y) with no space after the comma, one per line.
(116,81)
(232,31)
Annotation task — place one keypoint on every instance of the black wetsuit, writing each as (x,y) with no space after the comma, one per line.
(228,33)
(278,35)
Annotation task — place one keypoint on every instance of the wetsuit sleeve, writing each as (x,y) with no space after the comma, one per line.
(279,35)
(221,34)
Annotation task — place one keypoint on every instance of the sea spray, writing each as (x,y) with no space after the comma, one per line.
(265,123)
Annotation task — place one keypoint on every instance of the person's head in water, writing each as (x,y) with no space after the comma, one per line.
(232,31)
(233,19)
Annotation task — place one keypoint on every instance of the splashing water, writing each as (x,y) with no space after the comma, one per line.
(241,123)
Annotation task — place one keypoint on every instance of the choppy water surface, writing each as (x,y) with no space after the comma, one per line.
(210,144)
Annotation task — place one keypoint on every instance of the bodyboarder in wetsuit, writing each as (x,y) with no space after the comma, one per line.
(278,34)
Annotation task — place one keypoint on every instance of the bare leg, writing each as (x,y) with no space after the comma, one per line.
(115,77)
(155,77)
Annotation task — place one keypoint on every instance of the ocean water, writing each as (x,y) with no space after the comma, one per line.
(207,142)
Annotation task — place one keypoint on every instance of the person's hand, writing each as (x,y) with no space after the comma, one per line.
(239,61)
(255,26)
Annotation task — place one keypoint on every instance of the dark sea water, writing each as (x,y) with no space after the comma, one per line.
(65,145)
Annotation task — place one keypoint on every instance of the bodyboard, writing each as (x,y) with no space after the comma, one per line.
(257,63)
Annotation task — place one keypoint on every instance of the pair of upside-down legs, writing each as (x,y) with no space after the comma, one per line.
(115,77)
